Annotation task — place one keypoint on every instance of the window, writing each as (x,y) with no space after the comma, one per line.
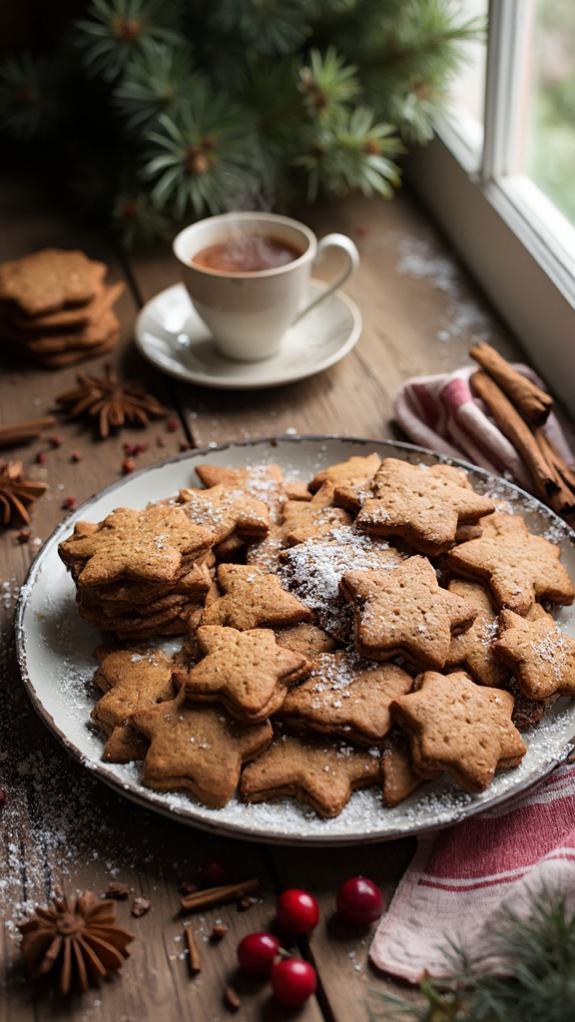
(500,176)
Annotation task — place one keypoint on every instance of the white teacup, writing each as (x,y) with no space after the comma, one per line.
(248,313)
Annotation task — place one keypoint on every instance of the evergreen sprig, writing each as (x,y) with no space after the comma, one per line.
(204,158)
(119,30)
(537,950)
(191,106)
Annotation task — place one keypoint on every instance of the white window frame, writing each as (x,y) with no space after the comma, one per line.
(517,244)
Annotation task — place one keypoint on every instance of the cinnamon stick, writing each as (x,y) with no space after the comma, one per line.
(564,500)
(517,432)
(22,432)
(194,960)
(533,403)
(218,895)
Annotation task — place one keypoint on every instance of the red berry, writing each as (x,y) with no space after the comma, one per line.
(212,872)
(297,911)
(40,458)
(293,981)
(172,425)
(2,798)
(69,504)
(75,457)
(55,441)
(128,465)
(359,901)
(256,953)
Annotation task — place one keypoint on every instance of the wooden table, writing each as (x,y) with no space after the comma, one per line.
(60,827)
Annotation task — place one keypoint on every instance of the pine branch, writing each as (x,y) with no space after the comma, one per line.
(538,954)
(205,160)
(269,26)
(349,152)
(158,80)
(117,30)
(31,97)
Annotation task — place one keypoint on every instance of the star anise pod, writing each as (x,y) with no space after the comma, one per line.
(17,493)
(75,940)
(109,402)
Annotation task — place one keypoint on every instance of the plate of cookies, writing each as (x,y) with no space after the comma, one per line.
(307,639)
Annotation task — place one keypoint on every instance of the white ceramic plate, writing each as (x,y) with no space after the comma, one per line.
(170,334)
(55,650)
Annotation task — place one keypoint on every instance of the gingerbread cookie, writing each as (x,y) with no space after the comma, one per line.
(306,639)
(312,520)
(347,696)
(356,468)
(224,510)
(252,599)
(72,318)
(319,773)
(420,505)
(518,566)
(458,726)
(265,482)
(473,649)
(247,671)
(266,553)
(403,611)
(540,654)
(132,680)
(48,280)
(398,777)
(149,545)
(197,748)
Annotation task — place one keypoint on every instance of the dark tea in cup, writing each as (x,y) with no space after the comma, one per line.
(246,253)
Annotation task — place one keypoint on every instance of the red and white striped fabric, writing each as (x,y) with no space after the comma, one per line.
(440,412)
(459,879)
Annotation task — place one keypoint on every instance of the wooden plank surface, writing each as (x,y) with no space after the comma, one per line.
(61,827)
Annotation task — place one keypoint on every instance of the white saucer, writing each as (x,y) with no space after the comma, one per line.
(170,334)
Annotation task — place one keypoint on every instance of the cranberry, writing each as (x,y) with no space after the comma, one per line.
(40,458)
(69,504)
(212,873)
(172,425)
(297,911)
(293,981)
(55,441)
(128,465)
(75,457)
(359,901)
(256,953)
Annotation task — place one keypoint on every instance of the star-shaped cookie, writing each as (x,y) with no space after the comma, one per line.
(473,649)
(420,505)
(541,655)
(403,611)
(247,671)
(265,482)
(132,680)
(398,777)
(252,599)
(152,545)
(347,696)
(461,727)
(313,519)
(358,467)
(518,566)
(320,773)
(225,510)
(197,748)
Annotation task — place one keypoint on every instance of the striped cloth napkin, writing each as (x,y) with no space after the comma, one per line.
(440,412)
(459,879)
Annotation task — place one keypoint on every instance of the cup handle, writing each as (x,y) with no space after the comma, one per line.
(332,241)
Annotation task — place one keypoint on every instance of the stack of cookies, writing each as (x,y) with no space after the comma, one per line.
(379,627)
(56,308)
